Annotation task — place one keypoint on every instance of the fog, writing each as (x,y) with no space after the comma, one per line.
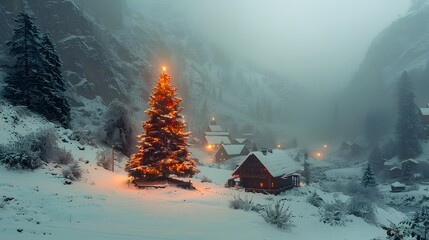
(316,43)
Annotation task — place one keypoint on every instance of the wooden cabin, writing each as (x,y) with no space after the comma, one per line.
(268,171)
(214,128)
(213,143)
(397,187)
(226,152)
(242,141)
(410,165)
(395,172)
(424,115)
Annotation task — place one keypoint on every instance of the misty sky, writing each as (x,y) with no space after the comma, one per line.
(311,41)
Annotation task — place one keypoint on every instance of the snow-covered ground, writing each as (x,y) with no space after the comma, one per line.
(102,205)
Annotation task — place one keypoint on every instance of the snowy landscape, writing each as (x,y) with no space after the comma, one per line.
(126,119)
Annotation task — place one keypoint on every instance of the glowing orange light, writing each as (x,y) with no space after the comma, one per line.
(319,154)
(164,68)
(209,146)
(278,146)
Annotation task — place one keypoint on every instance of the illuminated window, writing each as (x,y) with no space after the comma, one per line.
(261,184)
(272,184)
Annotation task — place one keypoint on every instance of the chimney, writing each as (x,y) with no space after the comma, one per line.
(270,150)
(264,151)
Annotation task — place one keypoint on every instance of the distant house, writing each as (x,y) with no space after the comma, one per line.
(409,167)
(350,149)
(216,133)
(395,172)
(268,171)
(212,143)
(214,128)
(194,140)
(226,152)
(397,187)
(424,115)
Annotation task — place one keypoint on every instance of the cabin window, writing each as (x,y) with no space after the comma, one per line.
(261,184)
(272,184)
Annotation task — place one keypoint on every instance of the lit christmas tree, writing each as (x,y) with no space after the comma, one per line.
(162,147)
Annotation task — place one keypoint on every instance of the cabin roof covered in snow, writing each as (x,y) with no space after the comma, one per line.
(397,184)
(278,163)
(233,149)
(396,167)
(216,133)
(217,139)
(424,111)
(240,140)
(215,128)
(410,160)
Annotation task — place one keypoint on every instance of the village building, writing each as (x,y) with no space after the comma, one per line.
(243,141)
(195,141)
(226,152)
(424,117)
(350,149)
(397,187)
(395,172)
(268,171)
(213,143)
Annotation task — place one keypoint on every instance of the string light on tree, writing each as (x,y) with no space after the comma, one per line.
(162,148)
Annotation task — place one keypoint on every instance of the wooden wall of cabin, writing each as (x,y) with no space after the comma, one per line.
(254,175)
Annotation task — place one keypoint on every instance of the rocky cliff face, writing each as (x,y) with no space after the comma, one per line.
(111,51)
(403,46)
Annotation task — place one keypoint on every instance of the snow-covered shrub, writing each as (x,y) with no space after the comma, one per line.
(29,151)
(363,208)
(42,141)
(240,203)
(315,200)
(60,156)
(117,129)
(22,160)
(205,179)
(73,172)
(333,213)
(278,215)
(104,159)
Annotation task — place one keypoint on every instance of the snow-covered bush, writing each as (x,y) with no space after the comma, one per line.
(363,208)
(240,203)
(205,179)
(117,129)
(73,172)
(278,215)
(315,200)
(334,213)
(23,159)
(104,159)
(29,151)
(60,156)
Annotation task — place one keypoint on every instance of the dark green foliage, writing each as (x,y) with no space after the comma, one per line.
(368,179)
(35,80)
(408,123)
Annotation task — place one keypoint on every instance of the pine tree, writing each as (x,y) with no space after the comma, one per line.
(29,81)
(54,70)
(408,124)
(162,147)
(368,179)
